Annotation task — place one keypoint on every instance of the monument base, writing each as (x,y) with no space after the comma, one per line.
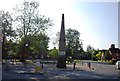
(61,62)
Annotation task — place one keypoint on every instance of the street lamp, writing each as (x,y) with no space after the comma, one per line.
(26,45)
(92,55)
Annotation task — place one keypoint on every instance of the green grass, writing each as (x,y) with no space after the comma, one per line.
(76,61)
(108,62)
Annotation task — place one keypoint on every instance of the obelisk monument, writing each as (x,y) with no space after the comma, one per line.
(61,63)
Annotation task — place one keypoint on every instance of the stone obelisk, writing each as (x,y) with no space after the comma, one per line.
(61,53)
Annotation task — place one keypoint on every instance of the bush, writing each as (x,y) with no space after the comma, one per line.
(99,55)
(94,58)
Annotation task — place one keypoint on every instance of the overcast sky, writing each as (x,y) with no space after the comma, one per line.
(96,20)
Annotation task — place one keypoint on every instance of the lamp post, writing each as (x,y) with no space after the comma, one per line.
(92,55)
(42,52)
(26,46)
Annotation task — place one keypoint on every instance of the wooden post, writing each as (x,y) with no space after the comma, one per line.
(74,65)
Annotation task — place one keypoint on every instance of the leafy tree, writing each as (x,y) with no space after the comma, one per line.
(53,53)
(99,55)
(74,45)
(7,32)
(28,19)
(107,55)
(30,25)
(39,44)
(23,48)
(94,57)
(56,39)
(12,49)
(90,51)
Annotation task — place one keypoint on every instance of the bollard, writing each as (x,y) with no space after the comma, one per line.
(12,62)
(74,65)
(42,64)
(82,62)
(89,65)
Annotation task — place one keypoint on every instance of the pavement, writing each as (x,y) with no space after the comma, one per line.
(98,70)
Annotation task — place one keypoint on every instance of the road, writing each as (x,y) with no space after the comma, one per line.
(104,69)
(100,71)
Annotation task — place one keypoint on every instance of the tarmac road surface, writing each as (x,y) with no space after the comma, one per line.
(100,71)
